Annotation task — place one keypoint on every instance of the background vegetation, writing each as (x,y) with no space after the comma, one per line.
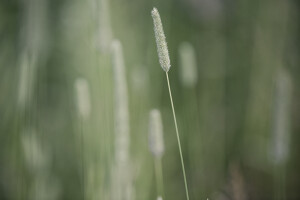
(238,123)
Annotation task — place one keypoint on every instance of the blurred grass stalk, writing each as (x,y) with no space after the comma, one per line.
(156,146)
(33,39)
(104,29)
(84,108)
(105,91)
(280,138)
(268,48)
(26,80)
(37,160)
(122,175)
(268,59)
(32,54)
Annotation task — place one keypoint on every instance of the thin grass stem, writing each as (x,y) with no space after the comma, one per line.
(82,159)
(159,176)
(178,138)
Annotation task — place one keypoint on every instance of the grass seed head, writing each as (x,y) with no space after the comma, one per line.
(162,48)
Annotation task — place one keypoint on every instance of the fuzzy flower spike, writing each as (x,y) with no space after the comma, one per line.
(162,48)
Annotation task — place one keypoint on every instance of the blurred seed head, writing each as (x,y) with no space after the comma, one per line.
(26,80)
(121,103)
(156,142)
(188,65)
(159,198)
(83,97)
(281,123)
(23,81)
(162,48)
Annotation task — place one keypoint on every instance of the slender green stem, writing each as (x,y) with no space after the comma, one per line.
(178,139)
(82,158)
(159,177)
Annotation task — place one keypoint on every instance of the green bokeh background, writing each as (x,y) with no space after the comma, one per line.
(226,120)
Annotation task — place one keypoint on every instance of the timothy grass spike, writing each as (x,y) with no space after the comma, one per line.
(164,61)
(162,48)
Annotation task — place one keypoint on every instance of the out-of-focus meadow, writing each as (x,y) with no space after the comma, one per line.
(78,80)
